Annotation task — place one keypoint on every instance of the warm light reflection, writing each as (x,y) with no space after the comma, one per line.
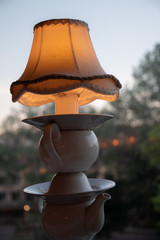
(26,208)
(152,139)
(102,171)
(115,142)
(103,145)
(131,139)
(43,170)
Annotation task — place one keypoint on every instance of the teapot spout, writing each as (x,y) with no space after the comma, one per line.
(94,218)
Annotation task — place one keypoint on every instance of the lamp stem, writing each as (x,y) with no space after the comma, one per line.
(66,103)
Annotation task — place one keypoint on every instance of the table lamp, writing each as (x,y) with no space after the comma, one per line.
(63,68)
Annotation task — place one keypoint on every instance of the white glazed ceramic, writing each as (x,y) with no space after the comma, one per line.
(42,190)
(69,183)
(68,150)
(74,221)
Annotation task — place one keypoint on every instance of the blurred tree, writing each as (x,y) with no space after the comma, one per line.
(151,146)
(140,104)
(134,161)
(151,151)
(19,145)
(145,97)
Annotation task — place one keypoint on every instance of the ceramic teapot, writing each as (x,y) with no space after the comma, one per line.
(74,221)
(68,150)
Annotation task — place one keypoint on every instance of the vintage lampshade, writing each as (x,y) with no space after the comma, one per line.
(63,63)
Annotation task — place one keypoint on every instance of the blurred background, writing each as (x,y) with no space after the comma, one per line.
(126,38)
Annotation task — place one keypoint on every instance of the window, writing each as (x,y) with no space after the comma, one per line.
(2,196)
(2,180)
(15,196)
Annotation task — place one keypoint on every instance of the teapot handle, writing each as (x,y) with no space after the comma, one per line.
(47,150)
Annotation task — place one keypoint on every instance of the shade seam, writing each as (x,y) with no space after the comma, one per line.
(39,53)
(73,49)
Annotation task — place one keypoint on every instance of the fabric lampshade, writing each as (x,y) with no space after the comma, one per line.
(62,60)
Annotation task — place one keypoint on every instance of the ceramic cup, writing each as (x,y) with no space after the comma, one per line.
(69,183)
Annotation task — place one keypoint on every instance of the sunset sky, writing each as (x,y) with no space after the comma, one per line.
(122,31)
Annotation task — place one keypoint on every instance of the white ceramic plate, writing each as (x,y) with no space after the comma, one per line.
(98,186)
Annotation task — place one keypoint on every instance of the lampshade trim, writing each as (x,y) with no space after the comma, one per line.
(67,77)
(67,88)
(62,21)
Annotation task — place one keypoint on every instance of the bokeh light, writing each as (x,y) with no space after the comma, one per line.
(26,208)
(115,142)
(131,139)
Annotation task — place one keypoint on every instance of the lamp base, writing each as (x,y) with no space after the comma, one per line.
(73,203)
